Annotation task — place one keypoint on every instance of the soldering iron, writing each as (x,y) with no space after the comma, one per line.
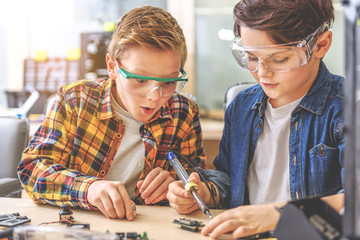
(192,187)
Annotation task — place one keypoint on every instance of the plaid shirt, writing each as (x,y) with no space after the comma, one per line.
(77,142)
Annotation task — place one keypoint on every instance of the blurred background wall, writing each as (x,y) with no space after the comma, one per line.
(53,28)
(47,43)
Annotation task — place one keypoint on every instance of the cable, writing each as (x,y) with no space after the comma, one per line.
(59,221)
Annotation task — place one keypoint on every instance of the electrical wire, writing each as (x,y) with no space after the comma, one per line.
(59,221)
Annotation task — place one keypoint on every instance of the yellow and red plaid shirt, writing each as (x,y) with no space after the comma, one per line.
(77,142)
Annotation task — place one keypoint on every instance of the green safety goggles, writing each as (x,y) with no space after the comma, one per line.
(129,75)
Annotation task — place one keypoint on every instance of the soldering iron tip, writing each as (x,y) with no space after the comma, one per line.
(208,213)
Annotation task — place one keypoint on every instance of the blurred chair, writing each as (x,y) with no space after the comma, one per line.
(234,89)
(49,103)
(15,136)
(30,103)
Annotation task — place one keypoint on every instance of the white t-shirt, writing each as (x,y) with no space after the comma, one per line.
(268,174)
(128,162)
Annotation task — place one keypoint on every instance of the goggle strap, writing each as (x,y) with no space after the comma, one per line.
(117,63)
(127,74)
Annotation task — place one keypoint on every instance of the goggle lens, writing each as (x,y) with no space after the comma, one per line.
(277,58)
(145,87)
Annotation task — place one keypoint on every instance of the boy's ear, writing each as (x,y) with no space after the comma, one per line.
(111,67)
(323,44)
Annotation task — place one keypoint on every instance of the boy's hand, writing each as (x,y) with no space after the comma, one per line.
(111,198)
(243,221)
(180,199)
(155,185)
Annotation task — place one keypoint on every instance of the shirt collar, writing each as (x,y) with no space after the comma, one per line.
(104,106)
(315,100)
(163,112)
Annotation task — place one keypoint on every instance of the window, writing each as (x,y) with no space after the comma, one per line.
(214,65)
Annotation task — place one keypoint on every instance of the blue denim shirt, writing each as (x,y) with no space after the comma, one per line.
(316,142)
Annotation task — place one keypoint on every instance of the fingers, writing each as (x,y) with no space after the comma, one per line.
(180,199)
(130,213)
(160,191)
(148,179)
(111,198)
(155,186)
(218,225)
(225,227)
(113,204)
(177,193)
(158,198)
(194,177)
(185,208)
(123,203)
(139,184)
(242,232)
(243,221)
(101,207)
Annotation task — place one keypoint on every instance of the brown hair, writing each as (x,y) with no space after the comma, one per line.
(149,27)
(283,20)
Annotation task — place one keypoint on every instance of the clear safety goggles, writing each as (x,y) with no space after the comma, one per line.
(145,85)
(278,57)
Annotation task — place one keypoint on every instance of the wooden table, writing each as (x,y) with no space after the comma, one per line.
(155,221)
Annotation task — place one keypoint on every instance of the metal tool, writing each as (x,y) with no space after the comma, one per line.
(189,186)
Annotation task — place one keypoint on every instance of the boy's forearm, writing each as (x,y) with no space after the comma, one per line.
(335,201)
(56,186)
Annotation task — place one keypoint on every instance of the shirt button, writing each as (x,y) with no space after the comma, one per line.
(102,172)
(118,135)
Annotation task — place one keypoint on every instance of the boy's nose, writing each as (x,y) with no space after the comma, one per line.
(263,70)
(155,94)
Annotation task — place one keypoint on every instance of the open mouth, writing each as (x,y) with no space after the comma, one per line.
(147,110)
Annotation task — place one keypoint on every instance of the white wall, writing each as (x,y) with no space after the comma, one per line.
(13,44)
(54,26)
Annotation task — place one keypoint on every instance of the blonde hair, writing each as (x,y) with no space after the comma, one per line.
(148,27)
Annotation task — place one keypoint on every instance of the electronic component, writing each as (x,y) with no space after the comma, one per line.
(11,220)
(189,186)
(8,216)
(132,236)
(65,213)
(189,224)
(79,226)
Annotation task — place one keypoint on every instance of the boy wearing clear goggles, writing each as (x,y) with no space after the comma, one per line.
(283,138)
(105,142)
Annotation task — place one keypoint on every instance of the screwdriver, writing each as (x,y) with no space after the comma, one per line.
(193,188)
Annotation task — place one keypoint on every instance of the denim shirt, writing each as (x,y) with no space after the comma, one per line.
(315,148)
